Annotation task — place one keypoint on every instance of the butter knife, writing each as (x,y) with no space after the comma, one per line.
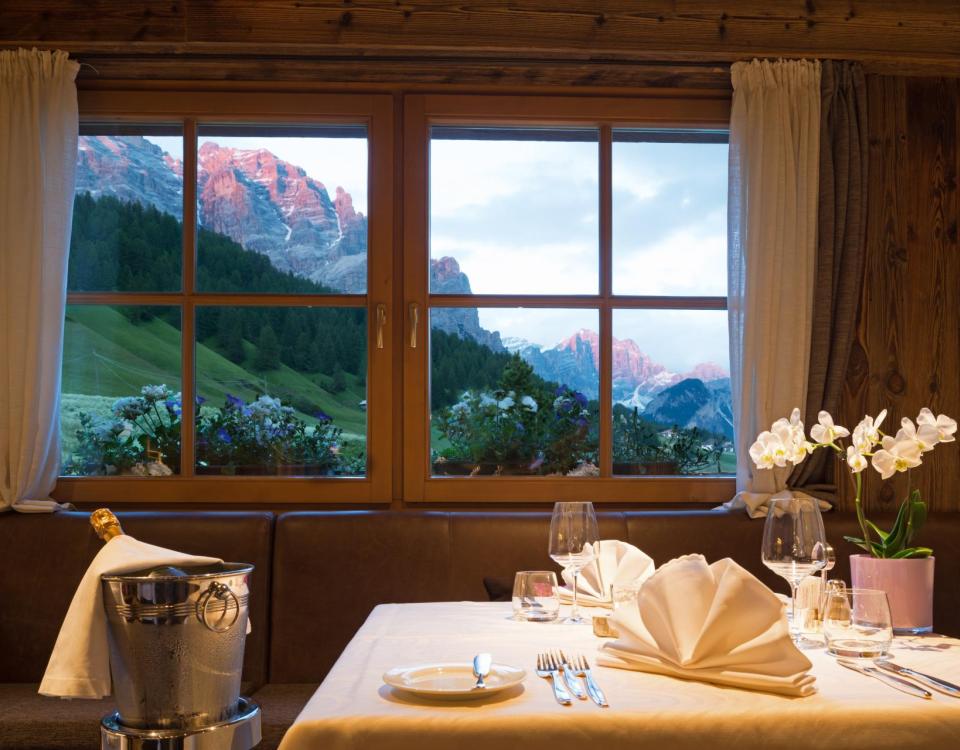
(941,686)
(898,683)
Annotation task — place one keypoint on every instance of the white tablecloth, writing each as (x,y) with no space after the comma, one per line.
(354,709)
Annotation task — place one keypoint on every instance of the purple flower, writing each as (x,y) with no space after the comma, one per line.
(233,402)
(223,436)
(322,416)
(173,406)
(580,422)
(200,400)
(581,399)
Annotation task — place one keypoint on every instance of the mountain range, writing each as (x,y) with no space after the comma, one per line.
(275,208)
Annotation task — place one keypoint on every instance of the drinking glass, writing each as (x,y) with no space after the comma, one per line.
(573,532)
(857,623)
(535,596)
(794,546)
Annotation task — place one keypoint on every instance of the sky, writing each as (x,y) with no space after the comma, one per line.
(522,217)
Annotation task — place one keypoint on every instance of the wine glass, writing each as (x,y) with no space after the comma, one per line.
(794,546)
(573,531)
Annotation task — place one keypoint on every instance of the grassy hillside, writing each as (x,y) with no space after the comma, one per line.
(107,355)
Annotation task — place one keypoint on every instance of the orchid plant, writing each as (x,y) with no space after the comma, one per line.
(786,443)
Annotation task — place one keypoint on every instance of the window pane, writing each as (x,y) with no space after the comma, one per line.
(127,233)
(669,215)
(282,390)
(514,211)
(282,209)
(120,396)
(671,392)
(514,391)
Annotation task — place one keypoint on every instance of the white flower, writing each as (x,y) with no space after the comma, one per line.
(867,433)
(505,403)
(768,451)
(529,403)
(855,460)
(791,437)
(944,425)
(925,437)
(896,455)
(827,431)
(487,400)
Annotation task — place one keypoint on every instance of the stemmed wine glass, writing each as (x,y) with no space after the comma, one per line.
(794,546)
(573,532)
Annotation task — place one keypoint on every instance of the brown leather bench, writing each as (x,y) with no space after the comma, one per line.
(318,575)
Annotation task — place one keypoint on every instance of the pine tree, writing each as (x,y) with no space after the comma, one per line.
(268,350)
(339,382)
(230,337)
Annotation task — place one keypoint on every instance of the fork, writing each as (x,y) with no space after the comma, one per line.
(547,668)
(581,668)
(569,675)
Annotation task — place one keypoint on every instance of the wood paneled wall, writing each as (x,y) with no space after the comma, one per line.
(514,42)
(908,350)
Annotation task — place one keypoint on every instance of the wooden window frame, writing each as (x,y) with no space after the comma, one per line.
(606,114)
(193,109)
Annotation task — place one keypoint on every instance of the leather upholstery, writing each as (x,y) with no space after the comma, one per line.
(332,568)
(43,557)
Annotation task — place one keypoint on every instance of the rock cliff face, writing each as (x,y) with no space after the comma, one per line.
(693,403)
(447,278)
(264,203)
(131,169)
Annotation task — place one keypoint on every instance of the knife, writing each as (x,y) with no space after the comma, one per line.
(481,668)
(895,682)
(942,686)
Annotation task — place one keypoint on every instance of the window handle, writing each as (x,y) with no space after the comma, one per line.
(414,321)
(381,322)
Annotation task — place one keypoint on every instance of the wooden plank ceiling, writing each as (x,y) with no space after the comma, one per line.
(574,42)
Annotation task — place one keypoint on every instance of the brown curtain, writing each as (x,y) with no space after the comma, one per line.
(841,239)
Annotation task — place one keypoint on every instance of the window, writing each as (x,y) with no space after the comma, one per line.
(570,262)
(218,328)
(248,319)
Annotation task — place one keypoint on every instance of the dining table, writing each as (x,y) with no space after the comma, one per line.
(354,709)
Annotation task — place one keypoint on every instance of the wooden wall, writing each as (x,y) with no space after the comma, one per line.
(908,350)
(577,42)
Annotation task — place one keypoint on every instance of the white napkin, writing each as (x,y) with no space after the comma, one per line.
(757,504)
(713,623)
(615,563)
(79,666)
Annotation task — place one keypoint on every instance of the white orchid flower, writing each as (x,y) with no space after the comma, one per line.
(768,451)
(897,454)
(790,434)
(926,437)
(827,432)
(944,425)
(855,460)
(867,433)
(529,403)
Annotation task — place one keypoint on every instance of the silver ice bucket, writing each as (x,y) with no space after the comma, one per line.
(176,644)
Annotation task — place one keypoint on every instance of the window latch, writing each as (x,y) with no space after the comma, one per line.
(381,322)
(414,320)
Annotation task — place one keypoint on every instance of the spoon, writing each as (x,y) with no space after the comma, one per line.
(481,668)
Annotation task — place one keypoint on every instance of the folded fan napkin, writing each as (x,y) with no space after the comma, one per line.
(79,666)
(713,623)
(615,563)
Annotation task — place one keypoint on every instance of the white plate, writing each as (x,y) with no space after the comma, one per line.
(452,680)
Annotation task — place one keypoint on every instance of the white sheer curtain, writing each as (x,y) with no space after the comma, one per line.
(38,153)
(774,171)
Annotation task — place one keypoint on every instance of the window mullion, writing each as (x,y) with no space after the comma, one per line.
(187,316)
(605,446)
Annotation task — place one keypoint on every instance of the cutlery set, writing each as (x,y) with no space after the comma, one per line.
(897,677)
(564,675)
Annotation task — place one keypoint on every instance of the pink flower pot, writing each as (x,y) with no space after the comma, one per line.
(909,587)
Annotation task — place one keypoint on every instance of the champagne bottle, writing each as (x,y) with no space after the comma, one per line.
(105,524)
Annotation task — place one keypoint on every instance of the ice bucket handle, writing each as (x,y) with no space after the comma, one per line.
(220,592)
